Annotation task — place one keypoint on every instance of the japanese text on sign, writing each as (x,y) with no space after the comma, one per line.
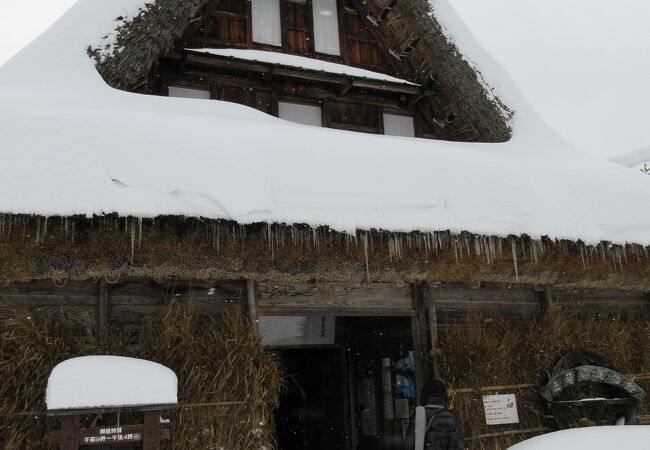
(500,409)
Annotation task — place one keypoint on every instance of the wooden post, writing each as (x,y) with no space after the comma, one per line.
(252,302)
(103,309)
(69,432)
(433,326)
(151,431)
(419,333)
(548,299)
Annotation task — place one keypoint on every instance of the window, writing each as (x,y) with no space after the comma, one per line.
(183,92)
(266,22)
(326,27)
(398,125)
(300,113)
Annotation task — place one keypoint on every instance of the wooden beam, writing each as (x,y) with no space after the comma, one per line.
(433,327)
(237,64)
(334,299)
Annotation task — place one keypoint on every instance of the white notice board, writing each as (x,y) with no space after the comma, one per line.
(500,409)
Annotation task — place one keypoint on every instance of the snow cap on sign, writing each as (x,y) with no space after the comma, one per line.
(109,382)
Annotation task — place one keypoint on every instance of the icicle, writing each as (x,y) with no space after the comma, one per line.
(514,258)
(44,230)
(132,242)
(365,251)
(139,232)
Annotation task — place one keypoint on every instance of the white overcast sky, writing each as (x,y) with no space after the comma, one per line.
(583,64)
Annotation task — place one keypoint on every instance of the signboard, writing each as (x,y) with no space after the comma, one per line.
(296,330)
(500,409)
(114,435)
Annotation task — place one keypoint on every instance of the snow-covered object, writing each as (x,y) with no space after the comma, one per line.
(109,382)
(632,437)
(70,144)
(301,62)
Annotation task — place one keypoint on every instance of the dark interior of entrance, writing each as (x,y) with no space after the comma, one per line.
(356,393)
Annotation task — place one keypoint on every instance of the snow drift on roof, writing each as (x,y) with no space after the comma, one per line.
(73,145)
(109,381)
(299,62)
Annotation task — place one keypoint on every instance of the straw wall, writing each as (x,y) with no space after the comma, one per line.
(494,352)
(217,360)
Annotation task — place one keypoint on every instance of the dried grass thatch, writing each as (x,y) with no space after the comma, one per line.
(81,248)
(496,352)
(216,359)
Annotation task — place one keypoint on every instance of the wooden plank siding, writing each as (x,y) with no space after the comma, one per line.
(77,301)
(595,300)
(135,301)
(456,303)
(129,302)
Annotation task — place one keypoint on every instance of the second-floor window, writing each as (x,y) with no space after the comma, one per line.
(302,26)
(266,22)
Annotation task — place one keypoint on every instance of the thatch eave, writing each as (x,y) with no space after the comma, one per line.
(34,247)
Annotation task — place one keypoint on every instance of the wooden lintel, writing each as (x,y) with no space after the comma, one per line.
(334,299)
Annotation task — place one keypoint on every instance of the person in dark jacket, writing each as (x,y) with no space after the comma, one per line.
(442,429)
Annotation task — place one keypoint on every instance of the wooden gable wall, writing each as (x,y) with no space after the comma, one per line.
(346,104)
(227,23)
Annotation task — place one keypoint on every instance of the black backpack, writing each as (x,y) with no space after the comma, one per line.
(443,430)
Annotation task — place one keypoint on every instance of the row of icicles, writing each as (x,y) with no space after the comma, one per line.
(220,233)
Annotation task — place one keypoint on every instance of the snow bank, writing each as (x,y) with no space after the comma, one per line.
(109,381)
(72,145)
(591,438)
(299,62)
(633,158)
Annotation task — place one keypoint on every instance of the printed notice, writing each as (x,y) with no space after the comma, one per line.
(500,409)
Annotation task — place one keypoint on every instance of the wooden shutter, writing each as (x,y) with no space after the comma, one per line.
(361,47)
(298,22)
(224,23)
(354,117)
(258,99)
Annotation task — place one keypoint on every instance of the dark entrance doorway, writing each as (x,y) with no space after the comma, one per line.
(355,393)
(312,413)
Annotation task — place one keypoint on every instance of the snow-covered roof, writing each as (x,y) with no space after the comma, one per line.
(90,382)
(73,145)
(300,62)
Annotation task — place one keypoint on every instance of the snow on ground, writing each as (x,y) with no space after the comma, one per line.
(592,438)
(109,381)
(72,145)
(299,62)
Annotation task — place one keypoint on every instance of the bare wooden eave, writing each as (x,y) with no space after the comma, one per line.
(229,63)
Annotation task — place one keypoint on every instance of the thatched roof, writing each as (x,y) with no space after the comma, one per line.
(81,248)
(142,41)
